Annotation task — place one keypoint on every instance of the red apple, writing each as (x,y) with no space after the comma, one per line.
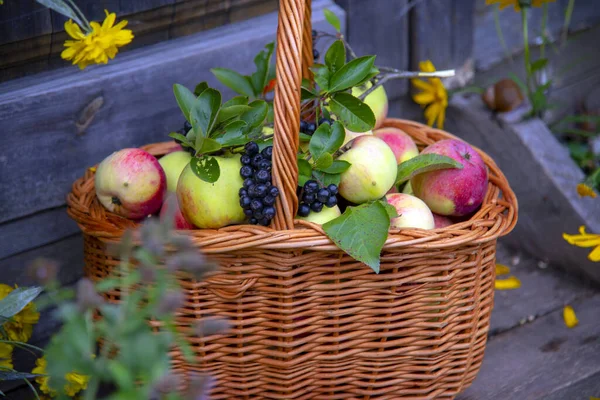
(402,145)
(179,221)
(453,191)
(174,147)
(412,212)
(441,221)
(131,183)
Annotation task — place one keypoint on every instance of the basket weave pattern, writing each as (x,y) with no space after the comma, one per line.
(308,321)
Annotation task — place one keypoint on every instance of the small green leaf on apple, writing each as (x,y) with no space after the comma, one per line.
(234,134)
(304,171)
(206,168)
(257,113)
(230,112)
(326,179)
(326,139)
(324,161)
(335,58)
(354,114)
(391,210)
(184,140)
(208,146)
(361,232)
(185,99)
(204,113)
(332,19)
(337,167)
(424,163)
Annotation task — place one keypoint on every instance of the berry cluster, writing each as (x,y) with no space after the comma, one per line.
(186,127)
(315,197)
(257,196)
(310,127)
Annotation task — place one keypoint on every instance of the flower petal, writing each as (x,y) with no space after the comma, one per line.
(570,317)
(431,113)
(441,116)
(584,190)
(595,254)
(73,30)
(109,21)
(502,269)
(423,85)
(426,66)
(424,98)
(506,284)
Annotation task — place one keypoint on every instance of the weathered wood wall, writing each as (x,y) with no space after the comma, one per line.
(31,36)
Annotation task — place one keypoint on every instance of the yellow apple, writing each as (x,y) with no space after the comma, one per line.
(173,163)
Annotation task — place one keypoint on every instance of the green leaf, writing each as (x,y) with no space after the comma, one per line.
(354,114)
(182,138)
(185,99)
(324,161)
(326,179)
(361,232)
(372,74)
(234,80)
(62,8)
(337,167)
(17,300)
(539,64)
(206,168)
(335,58)
(332,19)
(304,171)
(234,134)
(204,113)
(321,75)
(326,139)
(208,146)
(262,61)
(257,114)
(304,137)
(518,81)
(390,209)
(351,73)
(236,101)
(9,375)
(201,87)
(424,163)
(306,94)
(271,113)
(227,113)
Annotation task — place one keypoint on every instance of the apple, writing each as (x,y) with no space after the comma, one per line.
(173,163)
(179,221)
(377,100)
(441,221)
(326,215)
(393,189)
(412,212)
(372,171)
(453,191)
(351,135)
(402,145)
(212,205)
(131,183)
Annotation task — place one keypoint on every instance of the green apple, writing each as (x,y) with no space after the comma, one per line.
(212,205)
(372,171)
(173,163)
(131,183)
(326,215)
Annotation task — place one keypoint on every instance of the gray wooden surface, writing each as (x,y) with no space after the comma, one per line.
(380,27)
(542,175)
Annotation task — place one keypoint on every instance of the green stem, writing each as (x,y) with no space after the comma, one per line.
(526,49)
(544,22)
(87,27)
(500,35)
(568,14)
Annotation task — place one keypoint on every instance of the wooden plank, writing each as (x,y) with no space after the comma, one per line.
(35,230)
(542,359)
(442,31)
(380,28)
(542,175)
(138,108)
(23,19)
(488,48)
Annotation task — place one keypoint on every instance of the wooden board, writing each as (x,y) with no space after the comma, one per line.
(137,107)
(442,32)
(542,175)
(380,28)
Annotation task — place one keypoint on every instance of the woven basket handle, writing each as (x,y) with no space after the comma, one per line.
(293,58)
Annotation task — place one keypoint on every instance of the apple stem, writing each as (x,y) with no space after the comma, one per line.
(115,200)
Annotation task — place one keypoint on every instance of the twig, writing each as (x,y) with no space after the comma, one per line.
(406,74)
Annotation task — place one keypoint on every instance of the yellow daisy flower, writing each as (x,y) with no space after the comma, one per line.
(585,240)
(515,3)
(5,356)
(570,317)
(433,96)
(98,46)
(20,327)
(75,382)
(584,190)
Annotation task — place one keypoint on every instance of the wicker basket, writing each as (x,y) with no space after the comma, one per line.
(310,322)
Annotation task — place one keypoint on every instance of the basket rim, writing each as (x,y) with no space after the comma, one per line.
(495,218)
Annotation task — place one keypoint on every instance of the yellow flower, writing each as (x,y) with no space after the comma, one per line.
(585,190)
(511,282)
(585,240)
(433,95)
(570,317)
(5,356)
(20,326)
(75,382)
(99,45)
(502,269)
(515,3)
